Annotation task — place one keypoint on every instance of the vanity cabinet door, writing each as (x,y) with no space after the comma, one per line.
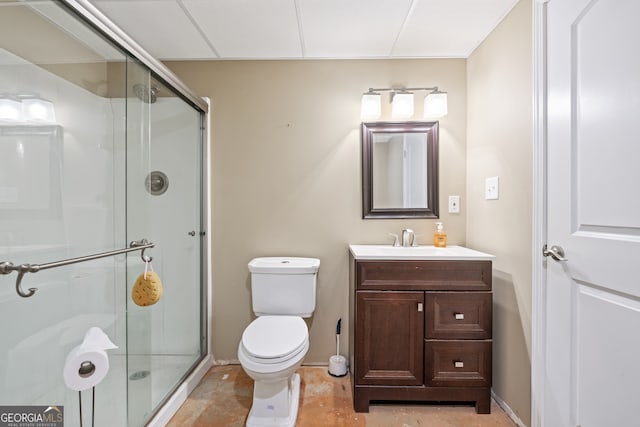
(389,339)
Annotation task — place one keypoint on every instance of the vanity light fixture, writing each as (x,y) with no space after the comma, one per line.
(37,110)
(26,108)
(10,109)
(370,108)
(402,103)
(435,105)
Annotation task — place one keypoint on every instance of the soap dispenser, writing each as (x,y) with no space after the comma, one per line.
(439,237)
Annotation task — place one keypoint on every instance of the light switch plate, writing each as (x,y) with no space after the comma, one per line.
(492,188)
(454,204)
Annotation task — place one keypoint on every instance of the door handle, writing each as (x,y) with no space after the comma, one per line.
(556,252)
(192,233)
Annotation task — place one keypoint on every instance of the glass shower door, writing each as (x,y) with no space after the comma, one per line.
(57,201)
(117,158)
(163,182)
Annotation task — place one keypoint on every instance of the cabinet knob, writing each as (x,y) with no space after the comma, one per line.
(458,364)
(459,316)
(420,307)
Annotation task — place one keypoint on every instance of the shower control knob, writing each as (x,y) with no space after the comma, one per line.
(192,233)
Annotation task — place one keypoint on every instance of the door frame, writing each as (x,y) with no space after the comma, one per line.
(538,278)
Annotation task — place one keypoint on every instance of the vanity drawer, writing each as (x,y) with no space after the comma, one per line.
(458,315)
(458,363)
(447,275)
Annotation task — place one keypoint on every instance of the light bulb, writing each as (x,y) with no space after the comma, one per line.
(370,107)
(435,105)
(402,106)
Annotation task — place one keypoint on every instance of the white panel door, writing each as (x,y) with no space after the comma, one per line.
(592,319)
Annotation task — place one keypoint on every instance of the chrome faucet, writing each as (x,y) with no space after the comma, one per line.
(407,237)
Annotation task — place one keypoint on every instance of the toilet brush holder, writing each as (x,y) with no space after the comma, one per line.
(337,363)
(337,366)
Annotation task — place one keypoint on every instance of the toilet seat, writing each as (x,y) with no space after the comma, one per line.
(274,339)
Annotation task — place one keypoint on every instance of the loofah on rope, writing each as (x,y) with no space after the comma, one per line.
(148,288)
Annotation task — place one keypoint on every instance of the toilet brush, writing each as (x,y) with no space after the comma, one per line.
(338,327)
(337,363)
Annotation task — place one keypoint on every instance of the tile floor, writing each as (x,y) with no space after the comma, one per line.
(223,399)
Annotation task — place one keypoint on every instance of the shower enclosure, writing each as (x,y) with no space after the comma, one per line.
(100,146)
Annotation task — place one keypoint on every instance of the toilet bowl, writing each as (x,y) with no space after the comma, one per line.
(271,350)
(273,346)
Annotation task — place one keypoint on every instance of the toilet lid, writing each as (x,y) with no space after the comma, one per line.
(270,337)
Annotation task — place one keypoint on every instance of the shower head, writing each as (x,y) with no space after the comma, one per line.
(146,94)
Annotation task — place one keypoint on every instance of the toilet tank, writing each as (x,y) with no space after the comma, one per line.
(284,285)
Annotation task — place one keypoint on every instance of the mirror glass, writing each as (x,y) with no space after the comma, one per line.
(400,170)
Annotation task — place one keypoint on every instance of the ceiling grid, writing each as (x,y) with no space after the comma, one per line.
(306,29)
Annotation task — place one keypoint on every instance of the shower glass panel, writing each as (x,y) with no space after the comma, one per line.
(163,201)
(120,160)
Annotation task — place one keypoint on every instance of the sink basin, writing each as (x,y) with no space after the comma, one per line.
(387,252)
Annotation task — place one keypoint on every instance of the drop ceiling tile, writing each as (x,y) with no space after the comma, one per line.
(161,27)
(249,28)
(351,29)
(449,28)
(271,29)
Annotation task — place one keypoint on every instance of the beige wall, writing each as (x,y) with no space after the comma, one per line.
(31,36)
(287,174)
(500,123)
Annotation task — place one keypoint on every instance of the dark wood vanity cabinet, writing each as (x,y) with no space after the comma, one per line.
(389,338)
(421,331)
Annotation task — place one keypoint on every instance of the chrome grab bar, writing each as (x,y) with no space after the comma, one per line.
(7,267)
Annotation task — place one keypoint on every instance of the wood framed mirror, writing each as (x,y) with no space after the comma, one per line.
(399,170)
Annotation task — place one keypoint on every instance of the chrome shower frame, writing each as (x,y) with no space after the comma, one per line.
(91,15)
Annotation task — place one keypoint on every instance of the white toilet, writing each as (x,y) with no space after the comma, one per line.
(283,291)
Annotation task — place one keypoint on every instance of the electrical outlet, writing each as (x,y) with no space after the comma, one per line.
(492,188)
(454,204)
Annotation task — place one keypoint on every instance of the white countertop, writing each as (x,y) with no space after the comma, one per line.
(429,252)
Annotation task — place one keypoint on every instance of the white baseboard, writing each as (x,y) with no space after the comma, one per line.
(501,403)
(219,362)
(237,362)
(172,405)
(315,364)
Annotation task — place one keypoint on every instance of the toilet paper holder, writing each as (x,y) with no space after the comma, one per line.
(86,369)
(87,365)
